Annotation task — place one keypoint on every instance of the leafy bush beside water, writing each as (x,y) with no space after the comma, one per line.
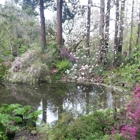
(97,125)
(15,118)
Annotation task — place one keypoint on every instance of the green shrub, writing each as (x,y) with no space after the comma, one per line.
(88,127)
(118,59)
(63,65)
(51,55)
(124,76)
(13,118)
(22,49)
(131,71)
(2,69)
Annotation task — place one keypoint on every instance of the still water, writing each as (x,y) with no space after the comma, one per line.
(55,98)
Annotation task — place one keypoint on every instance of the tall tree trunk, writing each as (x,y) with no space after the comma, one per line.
(131,32)
(116,37)
(11,47)
(121,25)
(44,110)
(59,22)
(42,20)
(138,32)
(88,28)
(138,35)
(101,30)
(60,108)
(87,102)
(107,23)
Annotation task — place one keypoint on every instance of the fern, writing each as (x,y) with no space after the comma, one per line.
(63,65)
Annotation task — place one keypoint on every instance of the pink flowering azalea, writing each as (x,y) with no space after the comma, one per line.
(126,130)
(137,89)
(130,130)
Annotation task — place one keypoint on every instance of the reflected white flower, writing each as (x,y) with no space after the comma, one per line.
(75,77)
(78,87)
(91,80)
(67,71)
(86,66)
(83,68)
(75,65)
(82,73)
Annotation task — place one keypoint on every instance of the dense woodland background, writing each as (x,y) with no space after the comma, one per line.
(101,35)
(106,27)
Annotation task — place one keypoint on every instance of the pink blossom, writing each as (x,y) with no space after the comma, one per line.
(126,130)
(137,89)
(113,131)
(133,115)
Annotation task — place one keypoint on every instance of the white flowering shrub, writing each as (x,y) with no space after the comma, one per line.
(27,69)
(24,61)
(17,64)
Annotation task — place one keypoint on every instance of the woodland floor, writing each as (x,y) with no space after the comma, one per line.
(25,135)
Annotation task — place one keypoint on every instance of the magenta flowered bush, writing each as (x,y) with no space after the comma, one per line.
(131,130)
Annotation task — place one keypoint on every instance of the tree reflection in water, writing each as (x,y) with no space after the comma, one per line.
(56,98)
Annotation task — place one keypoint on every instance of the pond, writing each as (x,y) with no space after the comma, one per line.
(56,98)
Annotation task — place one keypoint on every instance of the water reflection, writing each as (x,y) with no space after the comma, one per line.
(56,98)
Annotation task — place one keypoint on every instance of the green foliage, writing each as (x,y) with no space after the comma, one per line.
(2,68)
(88,127)
(51,54)
(67,13)
(11,116)
(55,77)
(22,49)
(131,71)
(63,65)
(127,74)
(18,31)
(114,78)
(118,59)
